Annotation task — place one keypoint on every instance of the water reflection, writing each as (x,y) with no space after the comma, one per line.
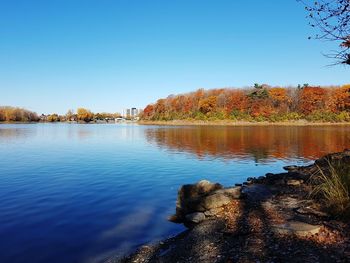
(258,142)
(14,134)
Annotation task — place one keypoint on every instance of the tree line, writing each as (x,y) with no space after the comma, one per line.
(16,114)
(81,115)
(10,114)
(258,103)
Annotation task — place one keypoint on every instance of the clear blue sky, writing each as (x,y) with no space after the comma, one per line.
(109,55)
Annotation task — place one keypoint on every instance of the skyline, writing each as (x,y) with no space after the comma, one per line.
(106,57)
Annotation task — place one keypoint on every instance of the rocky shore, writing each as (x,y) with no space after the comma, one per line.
(271,218)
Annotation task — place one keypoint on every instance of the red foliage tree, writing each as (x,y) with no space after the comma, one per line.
(311,99)
(237,101)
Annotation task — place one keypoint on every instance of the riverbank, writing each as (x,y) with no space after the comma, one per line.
(273,219)
(238,123)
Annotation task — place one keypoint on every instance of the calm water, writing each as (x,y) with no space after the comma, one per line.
(80,193)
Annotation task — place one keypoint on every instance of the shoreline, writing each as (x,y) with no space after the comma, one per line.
(239,123)
(273,219)
(202,123)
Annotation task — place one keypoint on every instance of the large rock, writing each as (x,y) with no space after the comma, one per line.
(192,191)
(342,158)
(337,160)
(296,228)
(291,168)
(232,192)
(190,195)
(215,200)
(294,182)
(202,197)
(196,217)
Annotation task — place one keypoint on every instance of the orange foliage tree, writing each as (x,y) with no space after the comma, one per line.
(339,99)
(237,101)
(312,99)
(207,105)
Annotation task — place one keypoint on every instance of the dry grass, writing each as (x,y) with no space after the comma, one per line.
(333,186)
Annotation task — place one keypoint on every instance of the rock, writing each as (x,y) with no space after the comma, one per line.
(233,192)
(296,228)
(213,212)
(294,182)
(190,195)
(311,211)
(257,192)
(291,203)
(335,156)
(260,179)
(238,184)
(202,197)
(269,175)
(215,200)
(248,182)
(196,217)
(279,182)
(334,159)
(290,168)
(195,190)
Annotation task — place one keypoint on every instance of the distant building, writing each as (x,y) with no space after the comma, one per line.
(132,113)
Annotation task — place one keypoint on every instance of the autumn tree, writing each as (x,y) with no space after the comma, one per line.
(237,101)
(259,103)
(339,99)
(160,106)
(148,112)
(8,113)
(53,118)
(280,99)
(84,115)
(311,99)
(207,105)
(70,115)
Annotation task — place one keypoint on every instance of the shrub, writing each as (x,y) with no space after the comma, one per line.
(294,116)
(323,116)
(260,118)
(343,116)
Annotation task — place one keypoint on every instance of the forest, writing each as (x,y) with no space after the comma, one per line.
(258,103)
(10,114)
(16,114)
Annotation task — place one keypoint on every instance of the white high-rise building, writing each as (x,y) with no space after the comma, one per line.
(131,113)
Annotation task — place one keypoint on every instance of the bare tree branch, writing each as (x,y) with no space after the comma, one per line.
(332,19)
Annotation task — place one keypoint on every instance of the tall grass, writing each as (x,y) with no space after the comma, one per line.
(333,188)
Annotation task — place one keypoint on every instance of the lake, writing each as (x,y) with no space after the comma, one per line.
(81,193)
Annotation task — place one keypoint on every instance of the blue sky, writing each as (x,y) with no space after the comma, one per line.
(109,55)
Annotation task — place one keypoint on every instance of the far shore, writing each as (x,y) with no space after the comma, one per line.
(200,123)
(239,123)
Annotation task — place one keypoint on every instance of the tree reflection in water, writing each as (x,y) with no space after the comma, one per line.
(262,143)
